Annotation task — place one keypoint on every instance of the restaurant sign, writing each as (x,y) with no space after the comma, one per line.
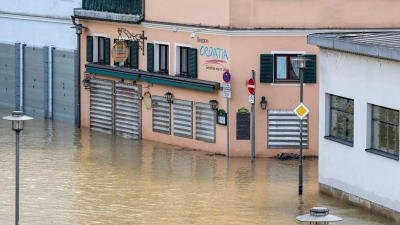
(120,51)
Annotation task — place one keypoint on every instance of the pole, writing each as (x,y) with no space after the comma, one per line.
(17,179)
(78,83)
(301,137)
(253,128)
(227,127)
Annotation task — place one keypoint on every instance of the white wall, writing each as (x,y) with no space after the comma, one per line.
(45,8)
(38,33)
(352,169)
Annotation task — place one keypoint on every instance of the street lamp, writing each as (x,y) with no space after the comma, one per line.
(168,97)
(318,216)
(263,102)
(213,104)
(17,118)
(301,63)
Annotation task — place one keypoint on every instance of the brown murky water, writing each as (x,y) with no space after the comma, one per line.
(78,176)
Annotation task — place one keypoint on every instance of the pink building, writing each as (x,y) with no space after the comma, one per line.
(184,49)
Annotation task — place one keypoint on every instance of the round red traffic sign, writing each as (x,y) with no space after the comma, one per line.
(251,86)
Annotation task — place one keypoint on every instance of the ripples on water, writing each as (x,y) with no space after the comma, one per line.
(78,176)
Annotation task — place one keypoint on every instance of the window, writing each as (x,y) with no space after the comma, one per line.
(342,119)
(385,130)
(275,68)
(184,60)
(283,69)
(163,60)
(101,49)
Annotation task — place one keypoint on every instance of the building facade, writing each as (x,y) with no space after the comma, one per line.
(186,52)
(38,58)
(359,119)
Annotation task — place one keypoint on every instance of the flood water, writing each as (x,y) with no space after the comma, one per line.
(77,176)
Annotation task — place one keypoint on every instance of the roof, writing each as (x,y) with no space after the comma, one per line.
(376,44)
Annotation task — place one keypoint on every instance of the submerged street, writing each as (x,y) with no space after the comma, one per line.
(78,176)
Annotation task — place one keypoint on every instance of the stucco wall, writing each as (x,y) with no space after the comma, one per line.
(314,14)
(45,8)
(206,12)
(367,80)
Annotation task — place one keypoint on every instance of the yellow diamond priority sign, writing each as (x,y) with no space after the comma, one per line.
(301,111)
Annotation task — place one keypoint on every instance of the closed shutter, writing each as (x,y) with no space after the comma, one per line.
(128,110)
(310,72)
(183,118)
(266,68)
(134,53)
(193,62)
(284,129)
(161,115)
(115,62)
(205,122)
(102,105)
(107,52)
(89,48)
(150,57)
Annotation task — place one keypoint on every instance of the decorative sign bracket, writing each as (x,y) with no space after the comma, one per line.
(139,38)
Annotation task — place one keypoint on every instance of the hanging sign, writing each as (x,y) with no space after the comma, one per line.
(120,51)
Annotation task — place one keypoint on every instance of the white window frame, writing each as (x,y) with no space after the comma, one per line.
(96,45)
(178,56)
(157,54)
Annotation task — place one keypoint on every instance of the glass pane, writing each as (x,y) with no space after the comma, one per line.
(281,67)
(338,102)
(393,116)
(393,139)
(338,124)
(383,137)
(375,134)
(293,74)
(163,58)
(184,57)
(101,49)
(376,112)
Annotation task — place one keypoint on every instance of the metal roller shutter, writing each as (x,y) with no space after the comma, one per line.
(183,118)
(161,115)
(7,76)
(284,129)
(205,122)
(101,105)
(128,109)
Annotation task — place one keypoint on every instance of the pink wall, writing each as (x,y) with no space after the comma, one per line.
(277,13)
(194,12)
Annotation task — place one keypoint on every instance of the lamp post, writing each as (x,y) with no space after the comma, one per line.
(318,216)
(301,63)
(17,118)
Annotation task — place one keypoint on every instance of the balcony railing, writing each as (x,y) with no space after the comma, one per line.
(133,7)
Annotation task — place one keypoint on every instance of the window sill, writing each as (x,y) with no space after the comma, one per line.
(341,141)
(382,153)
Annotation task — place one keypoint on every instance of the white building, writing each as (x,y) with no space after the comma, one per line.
(359,119)
(38,58)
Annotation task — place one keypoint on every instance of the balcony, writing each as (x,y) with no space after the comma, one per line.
(126,11)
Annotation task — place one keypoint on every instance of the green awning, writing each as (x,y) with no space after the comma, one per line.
(155,78)
(112,72)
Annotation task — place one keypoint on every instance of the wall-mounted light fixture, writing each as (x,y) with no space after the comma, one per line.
(86,81)
(213,104)
(263,102)
(175,28)
(168,96)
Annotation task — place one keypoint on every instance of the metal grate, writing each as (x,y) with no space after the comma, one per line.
(161,115)
(205,122)
(127,110)
(284,129)
(183,118)
(101,105)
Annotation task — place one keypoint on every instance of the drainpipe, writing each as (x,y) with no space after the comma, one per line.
(78,28)
(143,11)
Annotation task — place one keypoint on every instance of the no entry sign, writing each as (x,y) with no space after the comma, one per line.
(251,86)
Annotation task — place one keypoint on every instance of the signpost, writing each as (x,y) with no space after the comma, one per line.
(226,93)
(226,90)
(251,86)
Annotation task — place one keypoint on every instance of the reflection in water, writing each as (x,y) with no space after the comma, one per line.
(77,176)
